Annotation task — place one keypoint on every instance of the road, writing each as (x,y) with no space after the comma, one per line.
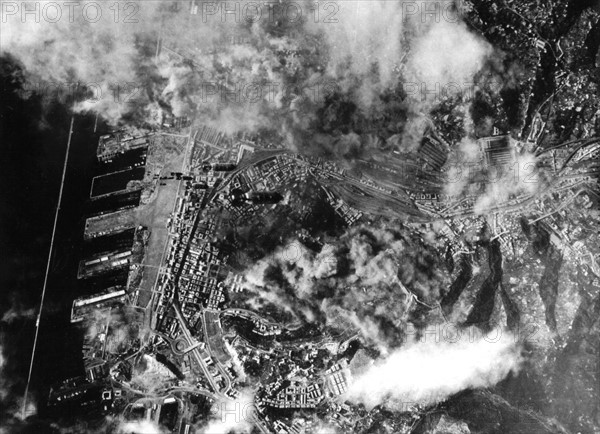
(524,201)
(257,158)
(222,370)
(403,205)
(209,196)
(236,311)
(217,395)
(195,351)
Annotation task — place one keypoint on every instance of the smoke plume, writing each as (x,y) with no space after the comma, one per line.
(139,427)
(365,280)
(149,57)
(431,371)
(231,415)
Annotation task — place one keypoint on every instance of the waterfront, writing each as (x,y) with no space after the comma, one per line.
(33,151)
(114,202)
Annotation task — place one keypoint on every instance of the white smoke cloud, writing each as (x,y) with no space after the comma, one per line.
(11,393)
(3,386)
(366,42)
(367,328)
(363,281)
(323,428)
(521,177)
(360,48)
(139,427)
(238,365)
(87,44)
(18,312)
(466,169)
(442,63)
(431,371)
(464,158)
(448,53)
(152,376)
(231,416)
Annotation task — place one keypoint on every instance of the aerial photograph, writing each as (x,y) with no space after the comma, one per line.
(300,216)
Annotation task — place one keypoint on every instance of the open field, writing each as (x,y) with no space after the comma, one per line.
(155,214)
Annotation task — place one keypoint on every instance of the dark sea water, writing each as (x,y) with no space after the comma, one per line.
(114,202)
(120,241)
(116,181)
(33,138)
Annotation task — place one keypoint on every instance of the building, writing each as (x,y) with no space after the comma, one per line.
(433,152)
(84,305)
(497,151)
(336,378)
(219,167)
(238,197)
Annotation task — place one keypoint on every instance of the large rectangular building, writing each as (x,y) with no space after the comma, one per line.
(84,305)
(497,151)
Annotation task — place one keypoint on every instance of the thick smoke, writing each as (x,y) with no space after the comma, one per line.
(365,281)
(11,395)
(88,47)
(467,170)
(233,416)
(315,80)
(323,428)
(151,376)
(442,64)
(284,68)
(18,312)
(125,323)
(447,53)
(521,178)
(139,427)
(430,371)
(465,156)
